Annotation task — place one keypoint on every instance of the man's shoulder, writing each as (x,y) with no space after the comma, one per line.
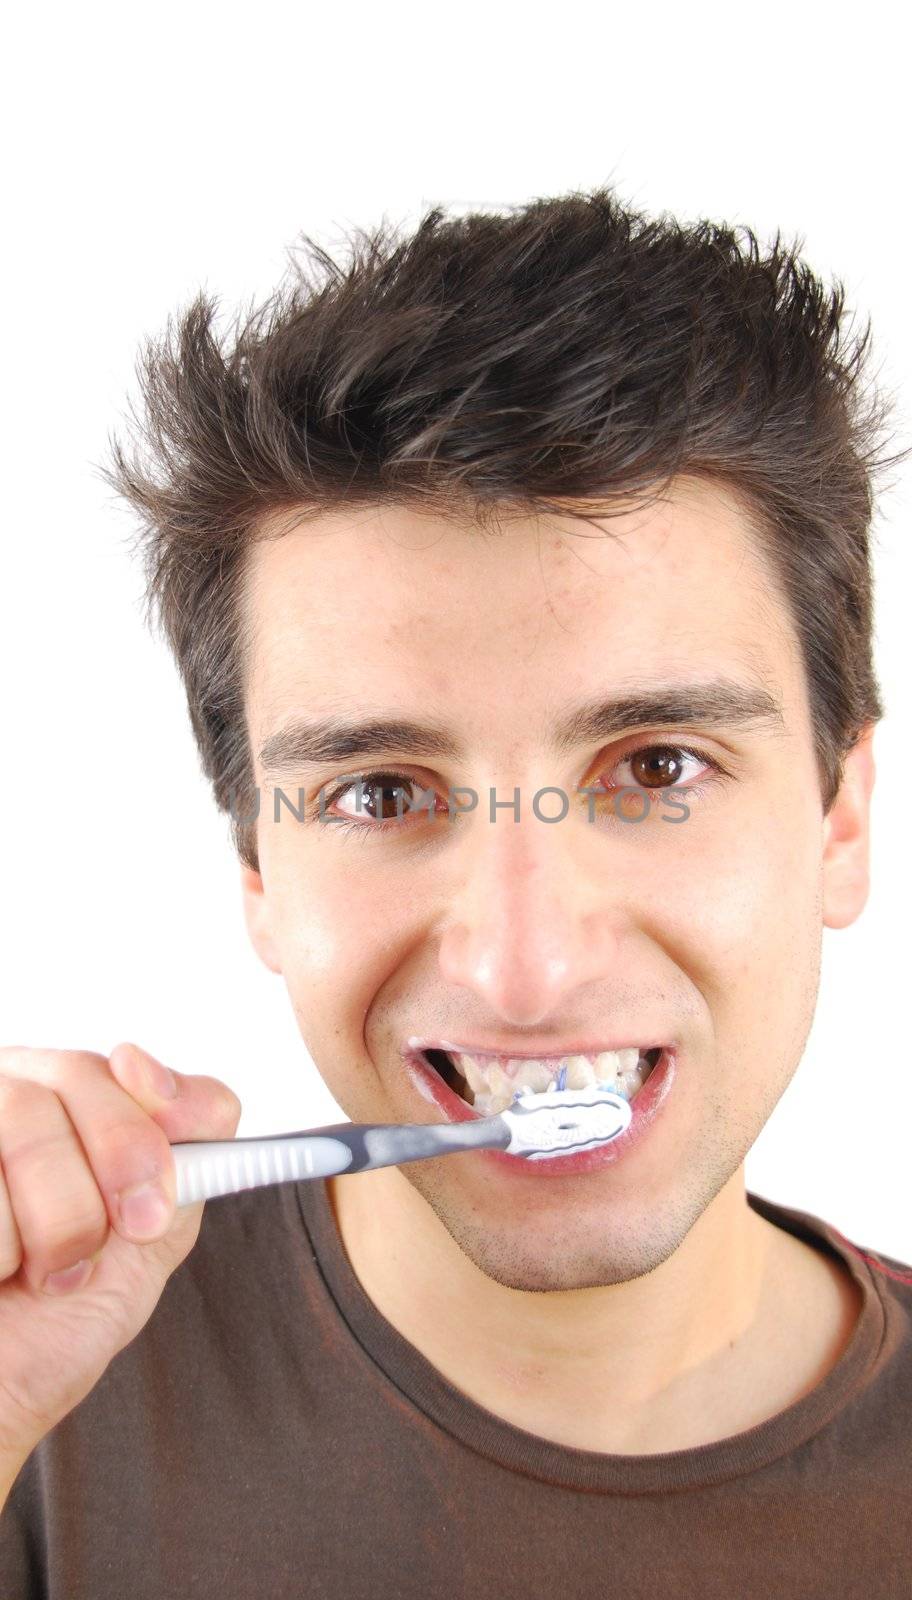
(891,1268)
(817,1229)
(885,1267)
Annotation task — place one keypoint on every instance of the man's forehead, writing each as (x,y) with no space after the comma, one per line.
(686,565)
(360,624)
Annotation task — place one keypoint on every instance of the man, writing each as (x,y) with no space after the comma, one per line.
(520,583)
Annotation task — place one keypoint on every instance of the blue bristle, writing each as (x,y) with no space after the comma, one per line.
(562,1077)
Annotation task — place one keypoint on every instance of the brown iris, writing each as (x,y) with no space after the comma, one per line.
(655,764)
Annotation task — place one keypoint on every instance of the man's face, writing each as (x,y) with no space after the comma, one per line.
(534,938)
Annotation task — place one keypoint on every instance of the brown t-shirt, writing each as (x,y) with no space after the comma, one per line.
(270,1434)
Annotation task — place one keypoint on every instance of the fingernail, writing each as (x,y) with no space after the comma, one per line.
(69,1278)
(144,1211)
(145,1070)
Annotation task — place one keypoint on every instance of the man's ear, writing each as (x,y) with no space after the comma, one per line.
(846,837)
(256,914)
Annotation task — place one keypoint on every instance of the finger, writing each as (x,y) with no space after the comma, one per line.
(128,1154)
(57,1212)
(202,1107)
(124,1139)
(10,1238)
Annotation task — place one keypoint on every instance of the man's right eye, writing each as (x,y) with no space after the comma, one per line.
(380,797)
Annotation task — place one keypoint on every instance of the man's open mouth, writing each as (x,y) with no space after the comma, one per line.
(488,1083)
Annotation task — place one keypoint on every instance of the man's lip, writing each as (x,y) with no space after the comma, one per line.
(416,1046)
(646,1106)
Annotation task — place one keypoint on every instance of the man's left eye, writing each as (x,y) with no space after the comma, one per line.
(657,762)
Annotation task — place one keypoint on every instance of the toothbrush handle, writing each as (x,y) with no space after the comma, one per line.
(208,1168)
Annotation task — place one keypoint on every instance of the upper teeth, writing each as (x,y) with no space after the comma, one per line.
(494,1081)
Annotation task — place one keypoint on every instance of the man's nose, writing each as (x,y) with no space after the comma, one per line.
(530,923)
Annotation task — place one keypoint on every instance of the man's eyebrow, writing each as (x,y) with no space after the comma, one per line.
(331,739)
(719,703)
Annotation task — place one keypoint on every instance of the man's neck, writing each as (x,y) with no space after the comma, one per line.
(740,1322)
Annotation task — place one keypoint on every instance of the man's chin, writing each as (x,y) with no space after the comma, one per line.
(514,1270)
(575,1252)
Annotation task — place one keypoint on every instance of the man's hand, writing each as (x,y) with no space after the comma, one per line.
(83,1261)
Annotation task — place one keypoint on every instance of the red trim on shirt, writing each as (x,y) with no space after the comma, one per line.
(872,1260)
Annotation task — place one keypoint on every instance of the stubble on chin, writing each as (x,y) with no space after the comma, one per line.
(566,1253)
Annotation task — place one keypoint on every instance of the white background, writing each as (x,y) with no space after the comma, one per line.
(150,153)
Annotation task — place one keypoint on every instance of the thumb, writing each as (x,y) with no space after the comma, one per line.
(187,1107)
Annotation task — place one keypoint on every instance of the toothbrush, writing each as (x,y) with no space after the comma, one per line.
(536,1126)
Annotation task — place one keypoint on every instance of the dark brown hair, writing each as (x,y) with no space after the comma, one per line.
(507,364)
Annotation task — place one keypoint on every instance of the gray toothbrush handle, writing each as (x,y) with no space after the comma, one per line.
(208,1168)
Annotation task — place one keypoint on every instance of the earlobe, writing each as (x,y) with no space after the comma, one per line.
(256,915)
(846,838)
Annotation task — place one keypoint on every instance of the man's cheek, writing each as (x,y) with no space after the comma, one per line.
(741,909)
(318,940)
(336,952)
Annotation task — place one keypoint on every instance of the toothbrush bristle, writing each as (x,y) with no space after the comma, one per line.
(563,1120)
